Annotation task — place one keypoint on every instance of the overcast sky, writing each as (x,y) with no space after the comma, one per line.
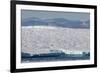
(53,14)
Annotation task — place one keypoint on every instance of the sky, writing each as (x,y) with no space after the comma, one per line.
(53,14)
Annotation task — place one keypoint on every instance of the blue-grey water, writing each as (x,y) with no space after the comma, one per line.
(54,57)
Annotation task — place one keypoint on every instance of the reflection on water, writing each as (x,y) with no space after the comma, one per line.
(54,56)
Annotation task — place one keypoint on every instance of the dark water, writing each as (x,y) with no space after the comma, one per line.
(54,57)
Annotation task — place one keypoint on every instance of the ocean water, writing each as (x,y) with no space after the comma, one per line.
(26,58)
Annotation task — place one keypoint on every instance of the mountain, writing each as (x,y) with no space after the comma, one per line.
(57,22)
(65,23)
(33,21)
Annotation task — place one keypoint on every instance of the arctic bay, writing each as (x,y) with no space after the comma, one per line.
(54,36)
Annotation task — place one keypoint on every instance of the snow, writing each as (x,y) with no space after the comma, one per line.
(44,27)
(69,40)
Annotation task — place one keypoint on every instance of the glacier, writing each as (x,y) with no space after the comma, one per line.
(43,39)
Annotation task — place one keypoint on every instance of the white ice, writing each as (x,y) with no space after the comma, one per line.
(36,40)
